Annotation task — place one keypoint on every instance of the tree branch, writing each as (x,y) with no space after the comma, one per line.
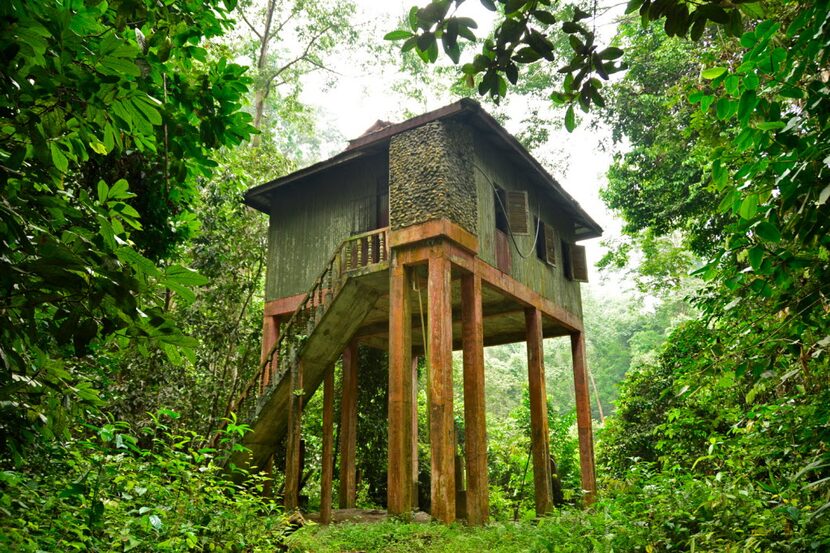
(302,57)
(250,25)
(323,67)
(282,25)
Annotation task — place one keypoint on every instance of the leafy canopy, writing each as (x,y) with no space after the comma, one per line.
(98,100)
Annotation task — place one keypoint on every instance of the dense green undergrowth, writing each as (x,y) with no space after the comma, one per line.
(646,512)
(116,489)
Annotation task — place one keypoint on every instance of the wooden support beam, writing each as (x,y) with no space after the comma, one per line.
(505,284)
(583,417)
(475,427)
(270,335)
(414,432)
(328,447)
(525,295)
(399,468)
(293,455)
(348,428)
(284,306)
(538,412)
(430,230)
(490,312)
(268,485)
(441,424)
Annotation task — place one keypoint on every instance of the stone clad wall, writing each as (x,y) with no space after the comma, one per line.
(431,176)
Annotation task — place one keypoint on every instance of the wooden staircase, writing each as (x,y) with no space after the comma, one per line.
(309,343)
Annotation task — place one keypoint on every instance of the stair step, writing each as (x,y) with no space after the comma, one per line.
(331,335)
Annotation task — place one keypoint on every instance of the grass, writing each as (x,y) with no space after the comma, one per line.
(393,537)
(566,532)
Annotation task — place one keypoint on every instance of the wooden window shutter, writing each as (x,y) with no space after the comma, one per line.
(567,264)
(579,263)
(504,259)
(517,210)
(549,237)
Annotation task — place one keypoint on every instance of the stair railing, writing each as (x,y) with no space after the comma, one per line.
(358,252)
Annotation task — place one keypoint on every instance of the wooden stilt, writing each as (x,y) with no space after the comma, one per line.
(399,469)
(583,417)
(538,412)
(441,424)
(415,432)
(348,428)
(268,486)
(270,335)
(293,463)
(475,427)
(328,447)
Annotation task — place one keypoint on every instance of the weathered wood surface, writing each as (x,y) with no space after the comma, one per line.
(270,335)
(308,222)
(538,413)
(414,436)
(494,169)
(583,417)
(442,430)
(348,428)
(293,455)
(475,427)
(430,230)
(327,469)
(399,470)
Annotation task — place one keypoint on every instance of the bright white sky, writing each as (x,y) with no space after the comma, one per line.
(359,96)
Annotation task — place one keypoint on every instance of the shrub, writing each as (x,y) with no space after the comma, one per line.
(119,490)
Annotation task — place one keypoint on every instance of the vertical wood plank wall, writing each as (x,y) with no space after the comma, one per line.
(310,220)
(531,271)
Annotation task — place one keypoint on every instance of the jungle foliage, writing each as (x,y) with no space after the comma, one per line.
(723,165)
(114,116)
(130,278)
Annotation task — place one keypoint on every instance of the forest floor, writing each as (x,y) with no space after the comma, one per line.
(363,515)
(398,537)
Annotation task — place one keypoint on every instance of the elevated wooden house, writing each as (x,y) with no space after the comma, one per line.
(446,219)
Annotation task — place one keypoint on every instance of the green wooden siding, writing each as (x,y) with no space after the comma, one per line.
(492,168)
(310,219)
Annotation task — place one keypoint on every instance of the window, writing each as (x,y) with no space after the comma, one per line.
(575,262)
(545,243)
(501,217)
(511,211)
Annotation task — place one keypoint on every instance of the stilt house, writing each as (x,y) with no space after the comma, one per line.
(446,220)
